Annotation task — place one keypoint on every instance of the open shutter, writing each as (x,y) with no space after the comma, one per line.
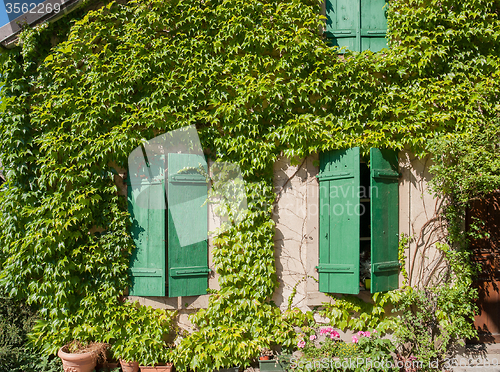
(339,224)
(187,226)
(384,191)
(147,264)
(357,24)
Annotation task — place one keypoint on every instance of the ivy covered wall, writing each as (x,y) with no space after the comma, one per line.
(258,80)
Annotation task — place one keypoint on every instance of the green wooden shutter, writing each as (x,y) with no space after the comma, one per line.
(339,179)
(373,27)
(147,264)
(187,227)
(384,193)
(357,24)
(342,23)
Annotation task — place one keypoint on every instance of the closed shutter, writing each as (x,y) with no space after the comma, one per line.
(339,226)
(373,27)
(384,190)
(357,24)
(147,263)
(187,226)
(342,23)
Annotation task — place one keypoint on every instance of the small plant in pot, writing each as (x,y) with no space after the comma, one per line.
(139,336)
(266,354)
(365,271)
(78,357)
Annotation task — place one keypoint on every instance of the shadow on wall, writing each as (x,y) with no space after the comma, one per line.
(290,216)
(424,223)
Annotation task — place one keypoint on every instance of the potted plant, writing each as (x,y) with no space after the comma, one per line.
(138,335)
(365,271)
(78,357)
(266,354)
(267,363)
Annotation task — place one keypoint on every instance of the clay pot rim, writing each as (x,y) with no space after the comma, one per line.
(75,356)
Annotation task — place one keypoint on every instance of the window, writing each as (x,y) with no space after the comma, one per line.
(359,207)
(357,24)
(171,243)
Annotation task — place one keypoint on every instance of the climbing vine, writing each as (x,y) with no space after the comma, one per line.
(258,80)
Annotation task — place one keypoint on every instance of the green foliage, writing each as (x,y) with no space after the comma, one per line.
(135,332)
(140,333)
(368,352)
(258,81)
(16,354)
(434,319)
(466,167)
(351,312)
(404,242)
(376,348)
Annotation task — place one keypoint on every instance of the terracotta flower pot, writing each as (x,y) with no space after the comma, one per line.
(264,357)
(129,366)
(166,368)
(73,362)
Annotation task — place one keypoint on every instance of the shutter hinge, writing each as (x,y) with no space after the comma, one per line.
(335,269)
(381,267)
(334,176)
(189,271)
(381,173)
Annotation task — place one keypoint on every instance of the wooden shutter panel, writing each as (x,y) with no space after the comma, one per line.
(187,227)
(147,264)
(384,193)
(373,27)
(339,179)
(357,24)
(342,23)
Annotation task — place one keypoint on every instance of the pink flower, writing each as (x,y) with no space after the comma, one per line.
(354,339)
(334,334)
(322,331)
(301,344)
(312,337)
(361,333)
(367,334)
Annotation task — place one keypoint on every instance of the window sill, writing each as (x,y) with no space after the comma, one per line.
(318,298)
(173,303)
